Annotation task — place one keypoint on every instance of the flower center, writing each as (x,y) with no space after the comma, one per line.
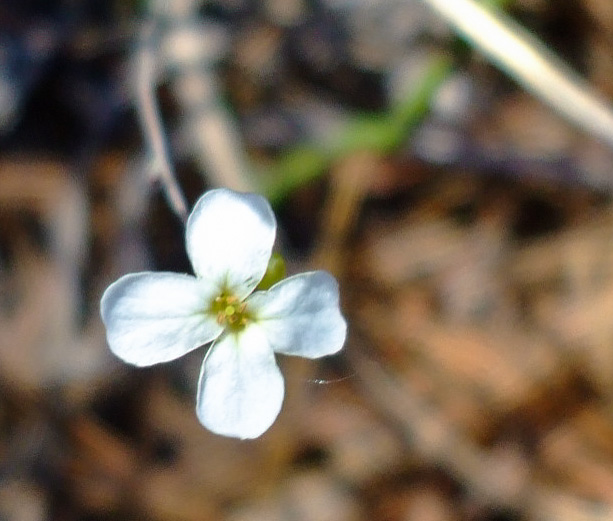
(230,312)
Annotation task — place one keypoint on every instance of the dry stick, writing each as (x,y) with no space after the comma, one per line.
(431,434)
(534,66)
(349,184)
(150,119)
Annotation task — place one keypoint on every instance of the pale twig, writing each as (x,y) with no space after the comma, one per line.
(150,119)
(529,61)
(209,128)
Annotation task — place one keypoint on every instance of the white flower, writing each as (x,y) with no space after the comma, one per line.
(157,317)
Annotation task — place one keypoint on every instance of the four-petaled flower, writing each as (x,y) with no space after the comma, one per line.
(157,317)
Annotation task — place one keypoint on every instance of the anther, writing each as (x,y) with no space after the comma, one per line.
(230,311)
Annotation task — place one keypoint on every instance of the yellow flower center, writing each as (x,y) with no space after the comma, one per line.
(230,312)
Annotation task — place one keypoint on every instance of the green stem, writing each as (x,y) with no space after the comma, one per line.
(380,133)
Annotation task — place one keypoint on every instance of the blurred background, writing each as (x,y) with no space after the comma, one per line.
(470,227)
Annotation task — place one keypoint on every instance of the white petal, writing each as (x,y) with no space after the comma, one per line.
(301,315)
(241,388)
(157,317)
(229,239)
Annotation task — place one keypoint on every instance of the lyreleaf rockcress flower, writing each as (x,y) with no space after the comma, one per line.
(157,317)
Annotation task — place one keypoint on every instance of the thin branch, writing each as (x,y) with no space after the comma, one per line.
(151,121)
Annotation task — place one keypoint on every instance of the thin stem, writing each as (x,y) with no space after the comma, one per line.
(378,133)
(375,133)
